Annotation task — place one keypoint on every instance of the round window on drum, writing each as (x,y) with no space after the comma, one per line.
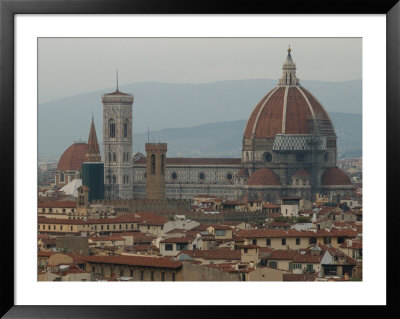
(267,157)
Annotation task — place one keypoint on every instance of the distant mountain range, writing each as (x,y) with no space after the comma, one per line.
(197,120)
(224,139)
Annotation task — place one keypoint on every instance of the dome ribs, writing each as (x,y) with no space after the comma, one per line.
(270,119)
(73,157)
(252,119)
(297,113)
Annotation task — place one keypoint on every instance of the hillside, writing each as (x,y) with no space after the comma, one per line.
(161,106)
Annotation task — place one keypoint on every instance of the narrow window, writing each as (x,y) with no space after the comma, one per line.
(162,164)
(111,127)
(153,164)
(126,129)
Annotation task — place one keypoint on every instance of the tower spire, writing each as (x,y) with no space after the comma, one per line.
(93,151)
(117,80)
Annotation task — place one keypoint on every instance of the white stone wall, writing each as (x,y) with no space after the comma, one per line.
(119,109)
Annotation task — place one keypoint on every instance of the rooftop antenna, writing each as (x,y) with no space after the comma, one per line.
(148,134)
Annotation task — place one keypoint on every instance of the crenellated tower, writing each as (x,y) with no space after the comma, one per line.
(155,170)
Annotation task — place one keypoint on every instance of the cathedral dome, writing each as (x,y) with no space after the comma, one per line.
(73,157)
(287,109)
(334,176)
(264,177)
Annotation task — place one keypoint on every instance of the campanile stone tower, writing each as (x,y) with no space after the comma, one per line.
(155,170)
(117,144)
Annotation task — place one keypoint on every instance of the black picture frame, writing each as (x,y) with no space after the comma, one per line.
(8,10)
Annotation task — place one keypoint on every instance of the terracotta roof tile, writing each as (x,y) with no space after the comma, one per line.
(335,176)
(178,240)
(58,204)
(264,176)
(159,262)
(73,157)
(224,254)
(281,254)
(267,117)
(277,233)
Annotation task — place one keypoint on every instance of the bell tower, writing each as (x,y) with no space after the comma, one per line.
(117,144)
(155,170)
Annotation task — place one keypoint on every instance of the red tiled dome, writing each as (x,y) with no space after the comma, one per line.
(301,172)
(335,176)
(275,114)
(264,176)
(73,157)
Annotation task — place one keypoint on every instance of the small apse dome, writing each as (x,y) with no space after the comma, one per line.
(73,157)
(263,177)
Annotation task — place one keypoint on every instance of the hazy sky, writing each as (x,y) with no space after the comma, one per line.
(69,66)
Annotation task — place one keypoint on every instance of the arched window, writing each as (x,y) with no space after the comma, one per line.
(153,164)
(114,179)
(62,177)
(111,128)
(162,164)
(297,181)
(108,179)
(126,123)
(109,156)
(127,179)
(114,157)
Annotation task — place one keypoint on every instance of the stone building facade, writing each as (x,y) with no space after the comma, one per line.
(117,144)
(288,149)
